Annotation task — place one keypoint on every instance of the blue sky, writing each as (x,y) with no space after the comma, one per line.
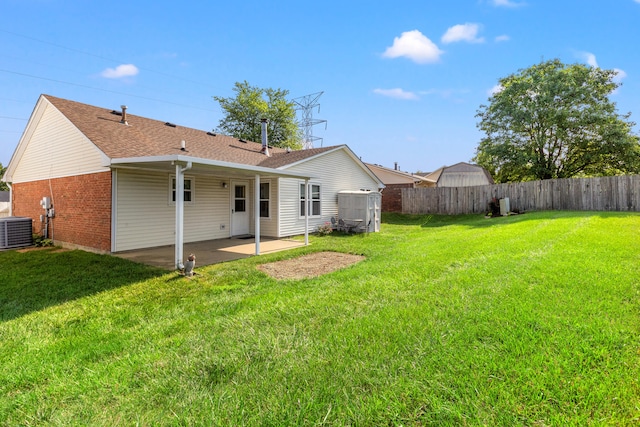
(402,80)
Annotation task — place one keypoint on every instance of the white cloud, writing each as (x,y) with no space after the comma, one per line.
(396,93)
(124,70)
(415,46)
(590,59)
(494,90)
(502,38)
(620,74)
(508,3)
(463,33)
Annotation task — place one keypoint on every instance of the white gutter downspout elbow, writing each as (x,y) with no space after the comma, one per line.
(10,199)
(179,243)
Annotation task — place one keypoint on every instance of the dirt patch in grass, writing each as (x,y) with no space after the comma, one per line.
(311,265)
(52,249)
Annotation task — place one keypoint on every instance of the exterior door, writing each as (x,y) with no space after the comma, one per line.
(239,208)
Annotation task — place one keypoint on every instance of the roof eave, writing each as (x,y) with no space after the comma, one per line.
(173,158)
(337,148)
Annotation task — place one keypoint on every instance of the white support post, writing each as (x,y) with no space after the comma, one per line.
(179,216)
(306,211)
(179,243)
(256,191)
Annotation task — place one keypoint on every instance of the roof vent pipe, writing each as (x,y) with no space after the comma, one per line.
(265,144)
(124,115)
(395,166)
(183,145)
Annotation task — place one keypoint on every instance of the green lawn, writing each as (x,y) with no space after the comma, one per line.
(529,320)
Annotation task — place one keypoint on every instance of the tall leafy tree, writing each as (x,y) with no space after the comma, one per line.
(244,111)
(554,120)
(3,185)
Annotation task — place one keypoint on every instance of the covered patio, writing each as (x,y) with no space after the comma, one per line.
(209,251)
(181,164)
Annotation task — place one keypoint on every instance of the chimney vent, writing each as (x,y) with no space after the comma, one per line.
(124,115)
(183,145)
(265,143)
(395,166)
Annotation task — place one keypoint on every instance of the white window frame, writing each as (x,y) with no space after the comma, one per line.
(268,200)
(302,197)
(191,190)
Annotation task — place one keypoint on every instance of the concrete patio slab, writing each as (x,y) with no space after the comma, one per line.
(208,252)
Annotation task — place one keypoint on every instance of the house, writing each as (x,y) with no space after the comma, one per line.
(459,175)
(395,176)
(394,181)
(105,180)
(5,203)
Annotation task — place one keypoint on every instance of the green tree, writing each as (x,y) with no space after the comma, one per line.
(3,185)
(553,120)
(243,114)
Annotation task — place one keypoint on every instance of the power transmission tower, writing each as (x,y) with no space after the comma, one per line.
(306,105)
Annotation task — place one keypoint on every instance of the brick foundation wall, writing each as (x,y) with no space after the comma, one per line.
(82,206)
(392,197)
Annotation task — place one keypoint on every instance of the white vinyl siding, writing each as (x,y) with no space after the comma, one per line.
(335,171)
(145,219)
(56,149)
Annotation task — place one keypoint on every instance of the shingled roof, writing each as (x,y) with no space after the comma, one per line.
(144,137)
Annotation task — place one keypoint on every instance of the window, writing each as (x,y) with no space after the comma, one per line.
(264,199)
(314,190)
(188,190)
(240,198)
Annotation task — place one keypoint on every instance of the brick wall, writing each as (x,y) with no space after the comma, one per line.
(82,206)
(392,197)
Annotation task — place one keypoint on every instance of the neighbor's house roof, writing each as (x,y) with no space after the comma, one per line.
(460,174)
(393,176)
(144,141)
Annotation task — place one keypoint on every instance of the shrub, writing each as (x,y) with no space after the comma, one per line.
(325,229)
(40,241)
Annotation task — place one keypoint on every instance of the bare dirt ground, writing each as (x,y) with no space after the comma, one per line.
(311,265)
(53,249)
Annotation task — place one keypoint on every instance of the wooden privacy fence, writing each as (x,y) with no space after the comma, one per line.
(612,193)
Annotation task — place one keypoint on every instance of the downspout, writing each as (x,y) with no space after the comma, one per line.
(256,209)
(306,212)
(179,244)
(10,199)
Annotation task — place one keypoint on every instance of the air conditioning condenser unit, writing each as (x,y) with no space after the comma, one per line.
(15,232)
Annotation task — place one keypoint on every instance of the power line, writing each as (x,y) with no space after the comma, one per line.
(68,70)
(103,90)
(101,57)
(12,118)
